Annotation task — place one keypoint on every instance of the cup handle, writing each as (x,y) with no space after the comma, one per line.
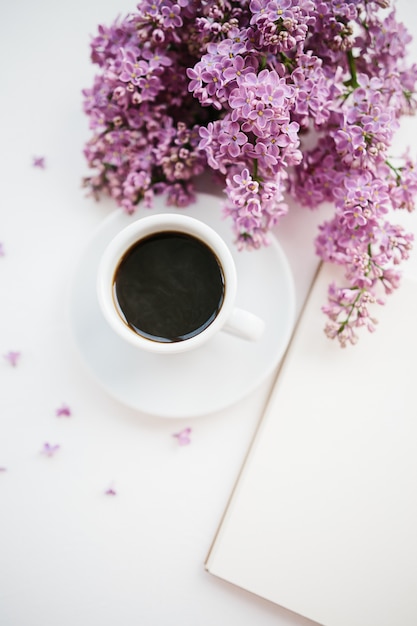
(245,325)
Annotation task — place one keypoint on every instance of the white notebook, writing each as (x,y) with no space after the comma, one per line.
(323,518)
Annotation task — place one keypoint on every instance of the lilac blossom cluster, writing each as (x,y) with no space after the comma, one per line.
(275,96)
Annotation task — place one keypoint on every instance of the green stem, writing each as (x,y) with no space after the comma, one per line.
(287,62)
(352,307)
(396,170)
(407,94)
(255,170)
(360,293)
(262,64)
(352,68)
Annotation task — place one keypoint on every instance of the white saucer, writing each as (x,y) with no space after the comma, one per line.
(206,379)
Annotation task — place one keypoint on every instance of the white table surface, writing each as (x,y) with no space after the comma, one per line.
(69,554)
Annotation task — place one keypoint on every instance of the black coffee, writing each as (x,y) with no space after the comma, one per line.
(169,287)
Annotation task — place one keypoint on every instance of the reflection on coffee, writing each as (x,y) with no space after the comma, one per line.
(169,286)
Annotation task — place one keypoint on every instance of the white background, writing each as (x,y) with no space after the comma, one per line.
(68,553)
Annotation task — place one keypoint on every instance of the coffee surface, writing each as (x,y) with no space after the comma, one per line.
(169,287)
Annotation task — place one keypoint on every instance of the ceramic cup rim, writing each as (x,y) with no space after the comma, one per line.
(140,229)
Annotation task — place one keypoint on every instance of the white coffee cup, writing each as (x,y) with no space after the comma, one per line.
(229,318)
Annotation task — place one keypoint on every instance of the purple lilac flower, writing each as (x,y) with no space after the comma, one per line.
(277,97)
(348,310)
(183,436)
(171,16)
(39,162)
(133,70)
(12,357)
(231,139)
(50,450)
(156,58)
(236,67)
(63,411)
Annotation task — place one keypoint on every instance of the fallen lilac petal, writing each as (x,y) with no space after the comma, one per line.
(3,469)
(183,436)
(39,162)
(12,357)
(49,450)
(2,252)
(63,411)
(110,492)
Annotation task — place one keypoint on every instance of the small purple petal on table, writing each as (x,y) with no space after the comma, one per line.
(2,252)
(63,411)
(3,469)
(49,450)
(183,436)
(12,357)
(110,492)
(39,162)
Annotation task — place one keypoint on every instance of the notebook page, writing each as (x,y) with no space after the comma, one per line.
(323,519)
